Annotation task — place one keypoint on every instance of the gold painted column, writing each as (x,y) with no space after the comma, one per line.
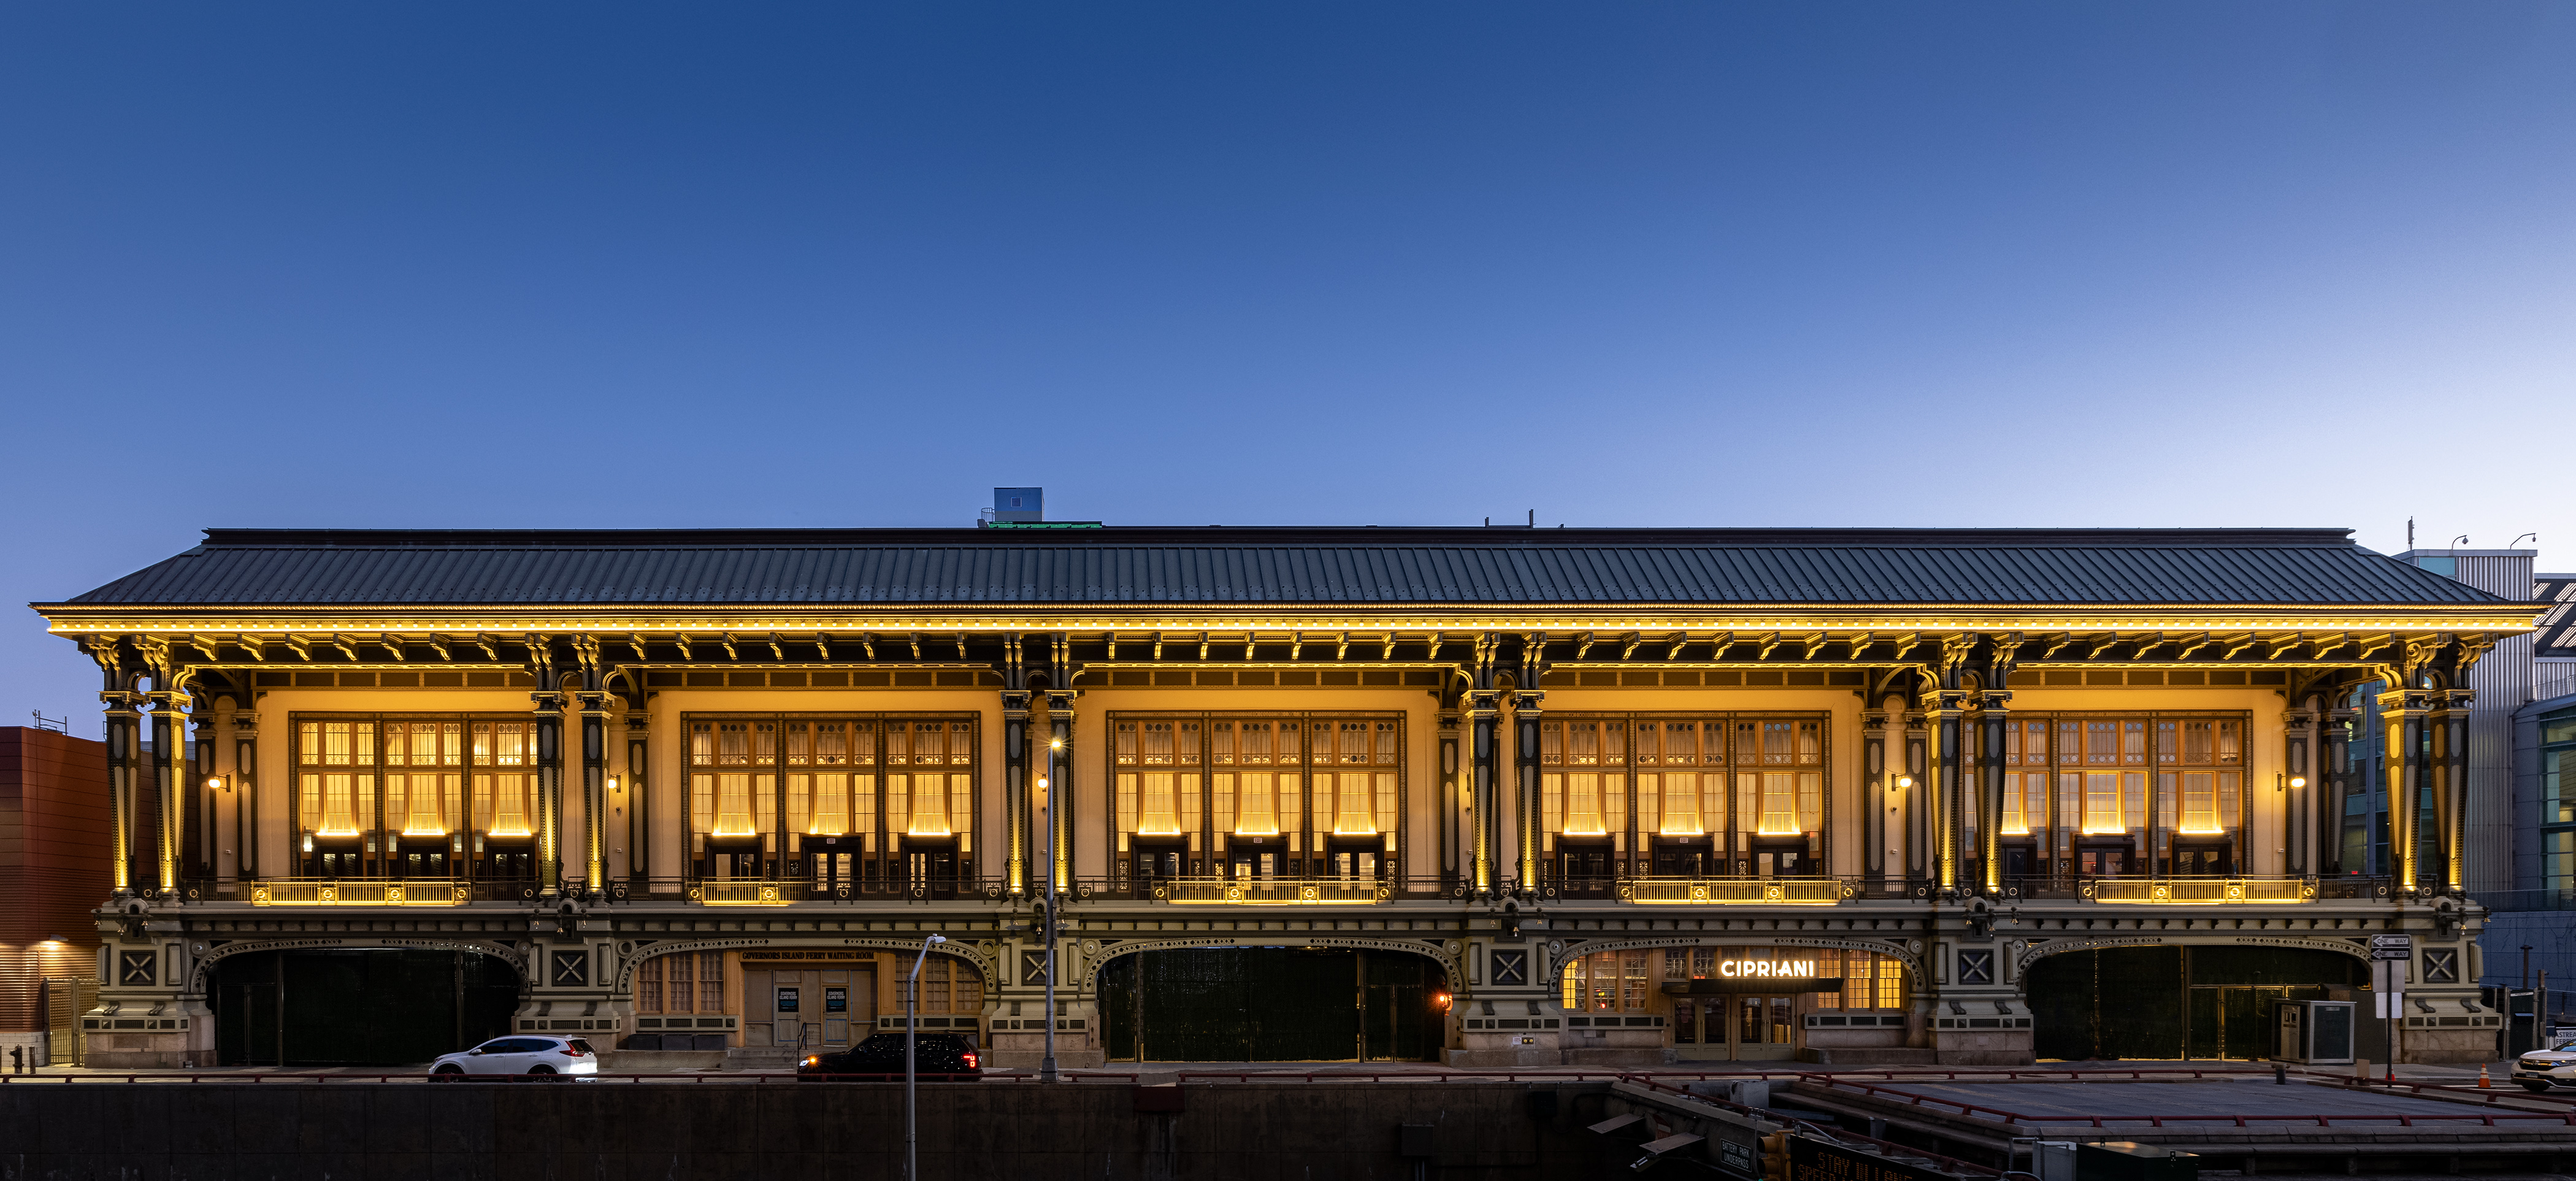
(1060,786)
(246,860)
(2450,766)
(2336,778)
(1913,788)
(2402,718)
(549,768)
(169,766)
(1993,715)
(1948,793)
(594,790)
(2301,823)
(1015,791)
(1874,797)
(1484,714)
(124,725)
(1526,704)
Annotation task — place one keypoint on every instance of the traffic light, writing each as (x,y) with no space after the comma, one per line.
(1775,1157)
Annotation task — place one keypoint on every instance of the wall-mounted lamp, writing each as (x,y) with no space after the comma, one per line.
(215,783)
(1055,744)
(612,783)
(1904,781)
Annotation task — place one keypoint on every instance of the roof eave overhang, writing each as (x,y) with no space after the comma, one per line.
(2495,618)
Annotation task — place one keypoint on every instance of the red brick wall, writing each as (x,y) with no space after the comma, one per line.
(53,863)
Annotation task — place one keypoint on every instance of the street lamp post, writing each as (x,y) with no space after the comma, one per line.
(1046,787)
(911,1027)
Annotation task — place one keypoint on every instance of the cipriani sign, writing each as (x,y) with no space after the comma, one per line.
(1766,969)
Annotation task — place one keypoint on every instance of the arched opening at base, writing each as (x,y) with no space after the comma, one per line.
(356,1006)
(1272,1004)
(2176,1002)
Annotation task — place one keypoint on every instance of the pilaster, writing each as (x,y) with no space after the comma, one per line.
(1060,761)
(594,790)
(124,725)
(2336,778)
(2300,822)
(1484,715)
(1526,706)
(1015,791)
(1993,714)
(1949,792)
(2402,713)
(549,768)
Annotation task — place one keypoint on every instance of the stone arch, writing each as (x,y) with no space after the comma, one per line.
(981,956)
(199,962)
(1097,953)
(2028,954)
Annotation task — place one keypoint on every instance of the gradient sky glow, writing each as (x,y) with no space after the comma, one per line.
(1707,264)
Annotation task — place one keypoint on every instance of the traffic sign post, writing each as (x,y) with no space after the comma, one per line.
(2389,955)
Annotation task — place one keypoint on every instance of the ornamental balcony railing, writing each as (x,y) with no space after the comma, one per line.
(1271,891)
(1774,891)
(2197,891)
(406,892)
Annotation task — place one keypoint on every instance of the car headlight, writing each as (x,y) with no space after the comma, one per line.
(813,1061)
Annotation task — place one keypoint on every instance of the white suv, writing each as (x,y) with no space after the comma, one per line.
(521,1055)
(2540,1070)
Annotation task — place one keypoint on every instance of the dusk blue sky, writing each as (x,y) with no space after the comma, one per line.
(524,265)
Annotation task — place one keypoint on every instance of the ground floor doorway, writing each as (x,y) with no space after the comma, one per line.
(1747,1026)
(809,1007)
(2175,1002)
(1272,1004)
(357,1007)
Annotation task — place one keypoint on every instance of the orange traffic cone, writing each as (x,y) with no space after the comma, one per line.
(2482,1075)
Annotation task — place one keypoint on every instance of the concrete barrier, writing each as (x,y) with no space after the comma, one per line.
(680,1131)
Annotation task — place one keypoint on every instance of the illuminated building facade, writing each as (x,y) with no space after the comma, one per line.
(1487,795)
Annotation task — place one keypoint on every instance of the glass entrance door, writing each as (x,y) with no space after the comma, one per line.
(1252,861)
(2205,858)
(1764,1026)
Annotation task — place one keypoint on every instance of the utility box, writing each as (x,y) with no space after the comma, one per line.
(2124,1160)
(2317,1033)
(2053,1160)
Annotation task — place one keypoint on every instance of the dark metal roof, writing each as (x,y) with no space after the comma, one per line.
(1233,565)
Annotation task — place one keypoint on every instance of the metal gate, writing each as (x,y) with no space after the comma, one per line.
(1270,1004)
(65,999)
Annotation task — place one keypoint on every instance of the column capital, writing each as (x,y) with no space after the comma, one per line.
(1873,719)
(546,702)
(1529,701)
(1059,700)
(593,705)
(1484,703)
(1994,699)
(638,722)
(2406,701)
(122,703)
(1015,703)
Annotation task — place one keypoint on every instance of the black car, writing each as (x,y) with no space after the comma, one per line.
(936,1056)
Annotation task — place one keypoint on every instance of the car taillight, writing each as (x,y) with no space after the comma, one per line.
(574,1050)
(970,1059)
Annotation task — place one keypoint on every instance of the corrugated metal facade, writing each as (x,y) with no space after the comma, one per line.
(1344,566)
(53,863)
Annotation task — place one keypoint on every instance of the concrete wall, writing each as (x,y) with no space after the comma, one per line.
(682,1130)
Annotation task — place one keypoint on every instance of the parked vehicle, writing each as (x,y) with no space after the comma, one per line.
(2542,1070)
(523,1054)
(944,1057)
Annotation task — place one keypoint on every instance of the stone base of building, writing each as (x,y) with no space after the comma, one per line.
(1066,1058)
(1506,1056)
(1983,1058)
(662,1061)
(2447,1047)
(1619,1056)
(1869,1055)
